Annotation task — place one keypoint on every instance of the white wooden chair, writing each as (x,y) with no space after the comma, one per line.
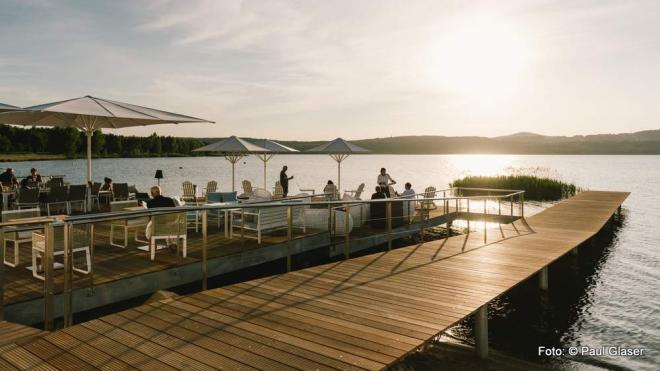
(168,227)
(266,219)
(80,244)
(126,224)
(356,193)
(278,190)
(17,238)
(429,192)
(247,188)
(188,192)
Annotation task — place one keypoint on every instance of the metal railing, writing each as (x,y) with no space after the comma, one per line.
(48,224)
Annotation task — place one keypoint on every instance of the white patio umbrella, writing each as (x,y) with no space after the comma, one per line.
(339,150)
(89,114)
(273,148)
(233,149)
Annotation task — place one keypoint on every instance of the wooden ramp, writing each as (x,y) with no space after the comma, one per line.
(364,313)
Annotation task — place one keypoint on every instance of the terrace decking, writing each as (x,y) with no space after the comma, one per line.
(362,313)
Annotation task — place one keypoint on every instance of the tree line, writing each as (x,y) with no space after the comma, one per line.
(72,143)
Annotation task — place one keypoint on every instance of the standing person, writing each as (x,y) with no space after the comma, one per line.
(8,178)
(384,180)
(284,180)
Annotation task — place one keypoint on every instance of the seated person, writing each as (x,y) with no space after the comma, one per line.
(377,210)
(330,190)
(409,192)
(378,194)
(31,180)
(8,179)
(158,200)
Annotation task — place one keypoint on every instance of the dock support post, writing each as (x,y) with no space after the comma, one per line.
(388,216)
(47,264)
(2,274)
(204,249)
(289,237)
(574,251)
(346,234)
(421,224)
(91,255)
(481,331)
(618,210)
(543,278)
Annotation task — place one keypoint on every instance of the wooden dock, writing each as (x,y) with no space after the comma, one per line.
(362,313)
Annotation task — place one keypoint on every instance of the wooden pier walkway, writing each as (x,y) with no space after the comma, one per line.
(363,313)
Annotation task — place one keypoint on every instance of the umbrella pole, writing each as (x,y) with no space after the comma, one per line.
(89,155)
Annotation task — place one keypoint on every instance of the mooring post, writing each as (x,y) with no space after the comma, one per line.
(481,331)
(543,278)
(47,264)
(346,234)
(388,212)
(204,249)
(289,237)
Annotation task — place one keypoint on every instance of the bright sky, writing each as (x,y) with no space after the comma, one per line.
(356,69)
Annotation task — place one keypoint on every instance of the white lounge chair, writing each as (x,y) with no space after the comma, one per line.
(189,194)
(17,238)
(80,243)
(126,224)
(266,219)
(168,227)
(429,192)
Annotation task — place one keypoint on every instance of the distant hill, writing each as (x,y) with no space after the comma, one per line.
(641,142)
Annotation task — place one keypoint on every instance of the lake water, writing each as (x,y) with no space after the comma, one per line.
(612,300)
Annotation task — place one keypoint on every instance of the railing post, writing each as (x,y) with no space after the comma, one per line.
(67,230)
(485,222)
(91,255)
(289,237)
(499,206)
(543,278)
(330,220)
(346,234)
(445,205)
(204,249)
(522,204)
(2,274)
(242,225)
(421,223)
(511,202)
(388,216)
(47,264)
(468,216)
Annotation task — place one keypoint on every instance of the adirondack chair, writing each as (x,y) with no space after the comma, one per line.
(211,187)
(356,193)
(247,188)
(188,192)
(429,192)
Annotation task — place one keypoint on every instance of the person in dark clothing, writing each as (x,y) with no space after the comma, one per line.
(377,210)
(8,178)
(33,179)
(379,193)
(158,200)
(284,180)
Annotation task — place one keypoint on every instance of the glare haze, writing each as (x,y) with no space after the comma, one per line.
(358,69)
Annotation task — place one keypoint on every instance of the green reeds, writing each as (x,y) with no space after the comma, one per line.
(536,188)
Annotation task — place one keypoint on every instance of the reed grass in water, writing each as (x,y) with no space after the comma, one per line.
(536,188)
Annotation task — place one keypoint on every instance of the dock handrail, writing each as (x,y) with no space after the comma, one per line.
(67,222)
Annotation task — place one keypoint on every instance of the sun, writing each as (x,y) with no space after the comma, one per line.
(479,57)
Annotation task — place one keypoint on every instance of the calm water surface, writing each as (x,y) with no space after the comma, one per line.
(609,299)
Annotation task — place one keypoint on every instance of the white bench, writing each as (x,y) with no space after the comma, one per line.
(265,219)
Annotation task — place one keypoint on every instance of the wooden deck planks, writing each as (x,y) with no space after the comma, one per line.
(364,313)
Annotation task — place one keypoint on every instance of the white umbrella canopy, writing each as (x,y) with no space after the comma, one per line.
(89,114)
(274,148)
(339,149)
(8,107)
(233,149)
